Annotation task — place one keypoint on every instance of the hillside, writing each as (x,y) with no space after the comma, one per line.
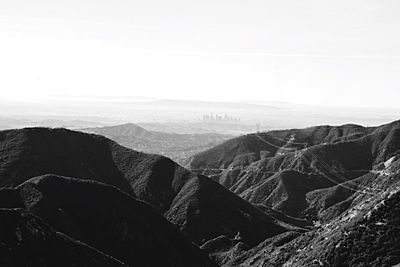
(27,241)
(188,200)
(333,177)
(205,210)
(355,224)
(286,174)
(104,218)
(364,234)
(272,143)
(178,147)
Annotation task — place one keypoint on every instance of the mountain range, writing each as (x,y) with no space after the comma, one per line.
(319,196)
(77,183)
(335,177)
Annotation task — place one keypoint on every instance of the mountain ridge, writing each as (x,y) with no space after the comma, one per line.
(154,179)
(330,156)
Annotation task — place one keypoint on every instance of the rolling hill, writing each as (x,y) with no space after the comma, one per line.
(178,147)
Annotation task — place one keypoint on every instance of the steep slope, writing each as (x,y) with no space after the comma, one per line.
(373,240)
(205,210)
(32,152)
(332,157)
(285,191)
(224,154)
(349,188)
(364,234)
(178,147)
(268,144)
(26,240)
(154,179)
(107,219)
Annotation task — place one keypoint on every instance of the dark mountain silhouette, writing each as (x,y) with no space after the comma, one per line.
(26,240)
(178,147)
(108,220)
(32,152)
(188,200)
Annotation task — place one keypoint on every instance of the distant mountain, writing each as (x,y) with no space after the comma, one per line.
(178,147)
(201,127)
(202,208)
(128,129)
(27,120)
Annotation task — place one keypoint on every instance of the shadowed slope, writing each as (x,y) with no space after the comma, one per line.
(204,210)
(26,240)
(31,152)
(151,178)
(109,220)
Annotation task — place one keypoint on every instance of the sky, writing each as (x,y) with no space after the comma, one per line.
(337,53)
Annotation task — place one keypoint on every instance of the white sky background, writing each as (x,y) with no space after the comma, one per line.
(342,52)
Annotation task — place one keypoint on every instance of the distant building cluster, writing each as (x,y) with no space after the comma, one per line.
(219,118)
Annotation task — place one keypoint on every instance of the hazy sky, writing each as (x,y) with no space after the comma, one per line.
(341,52)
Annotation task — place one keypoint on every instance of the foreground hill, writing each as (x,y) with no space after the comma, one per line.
(102,217)
(202,208)
(178,147)
(27,241)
